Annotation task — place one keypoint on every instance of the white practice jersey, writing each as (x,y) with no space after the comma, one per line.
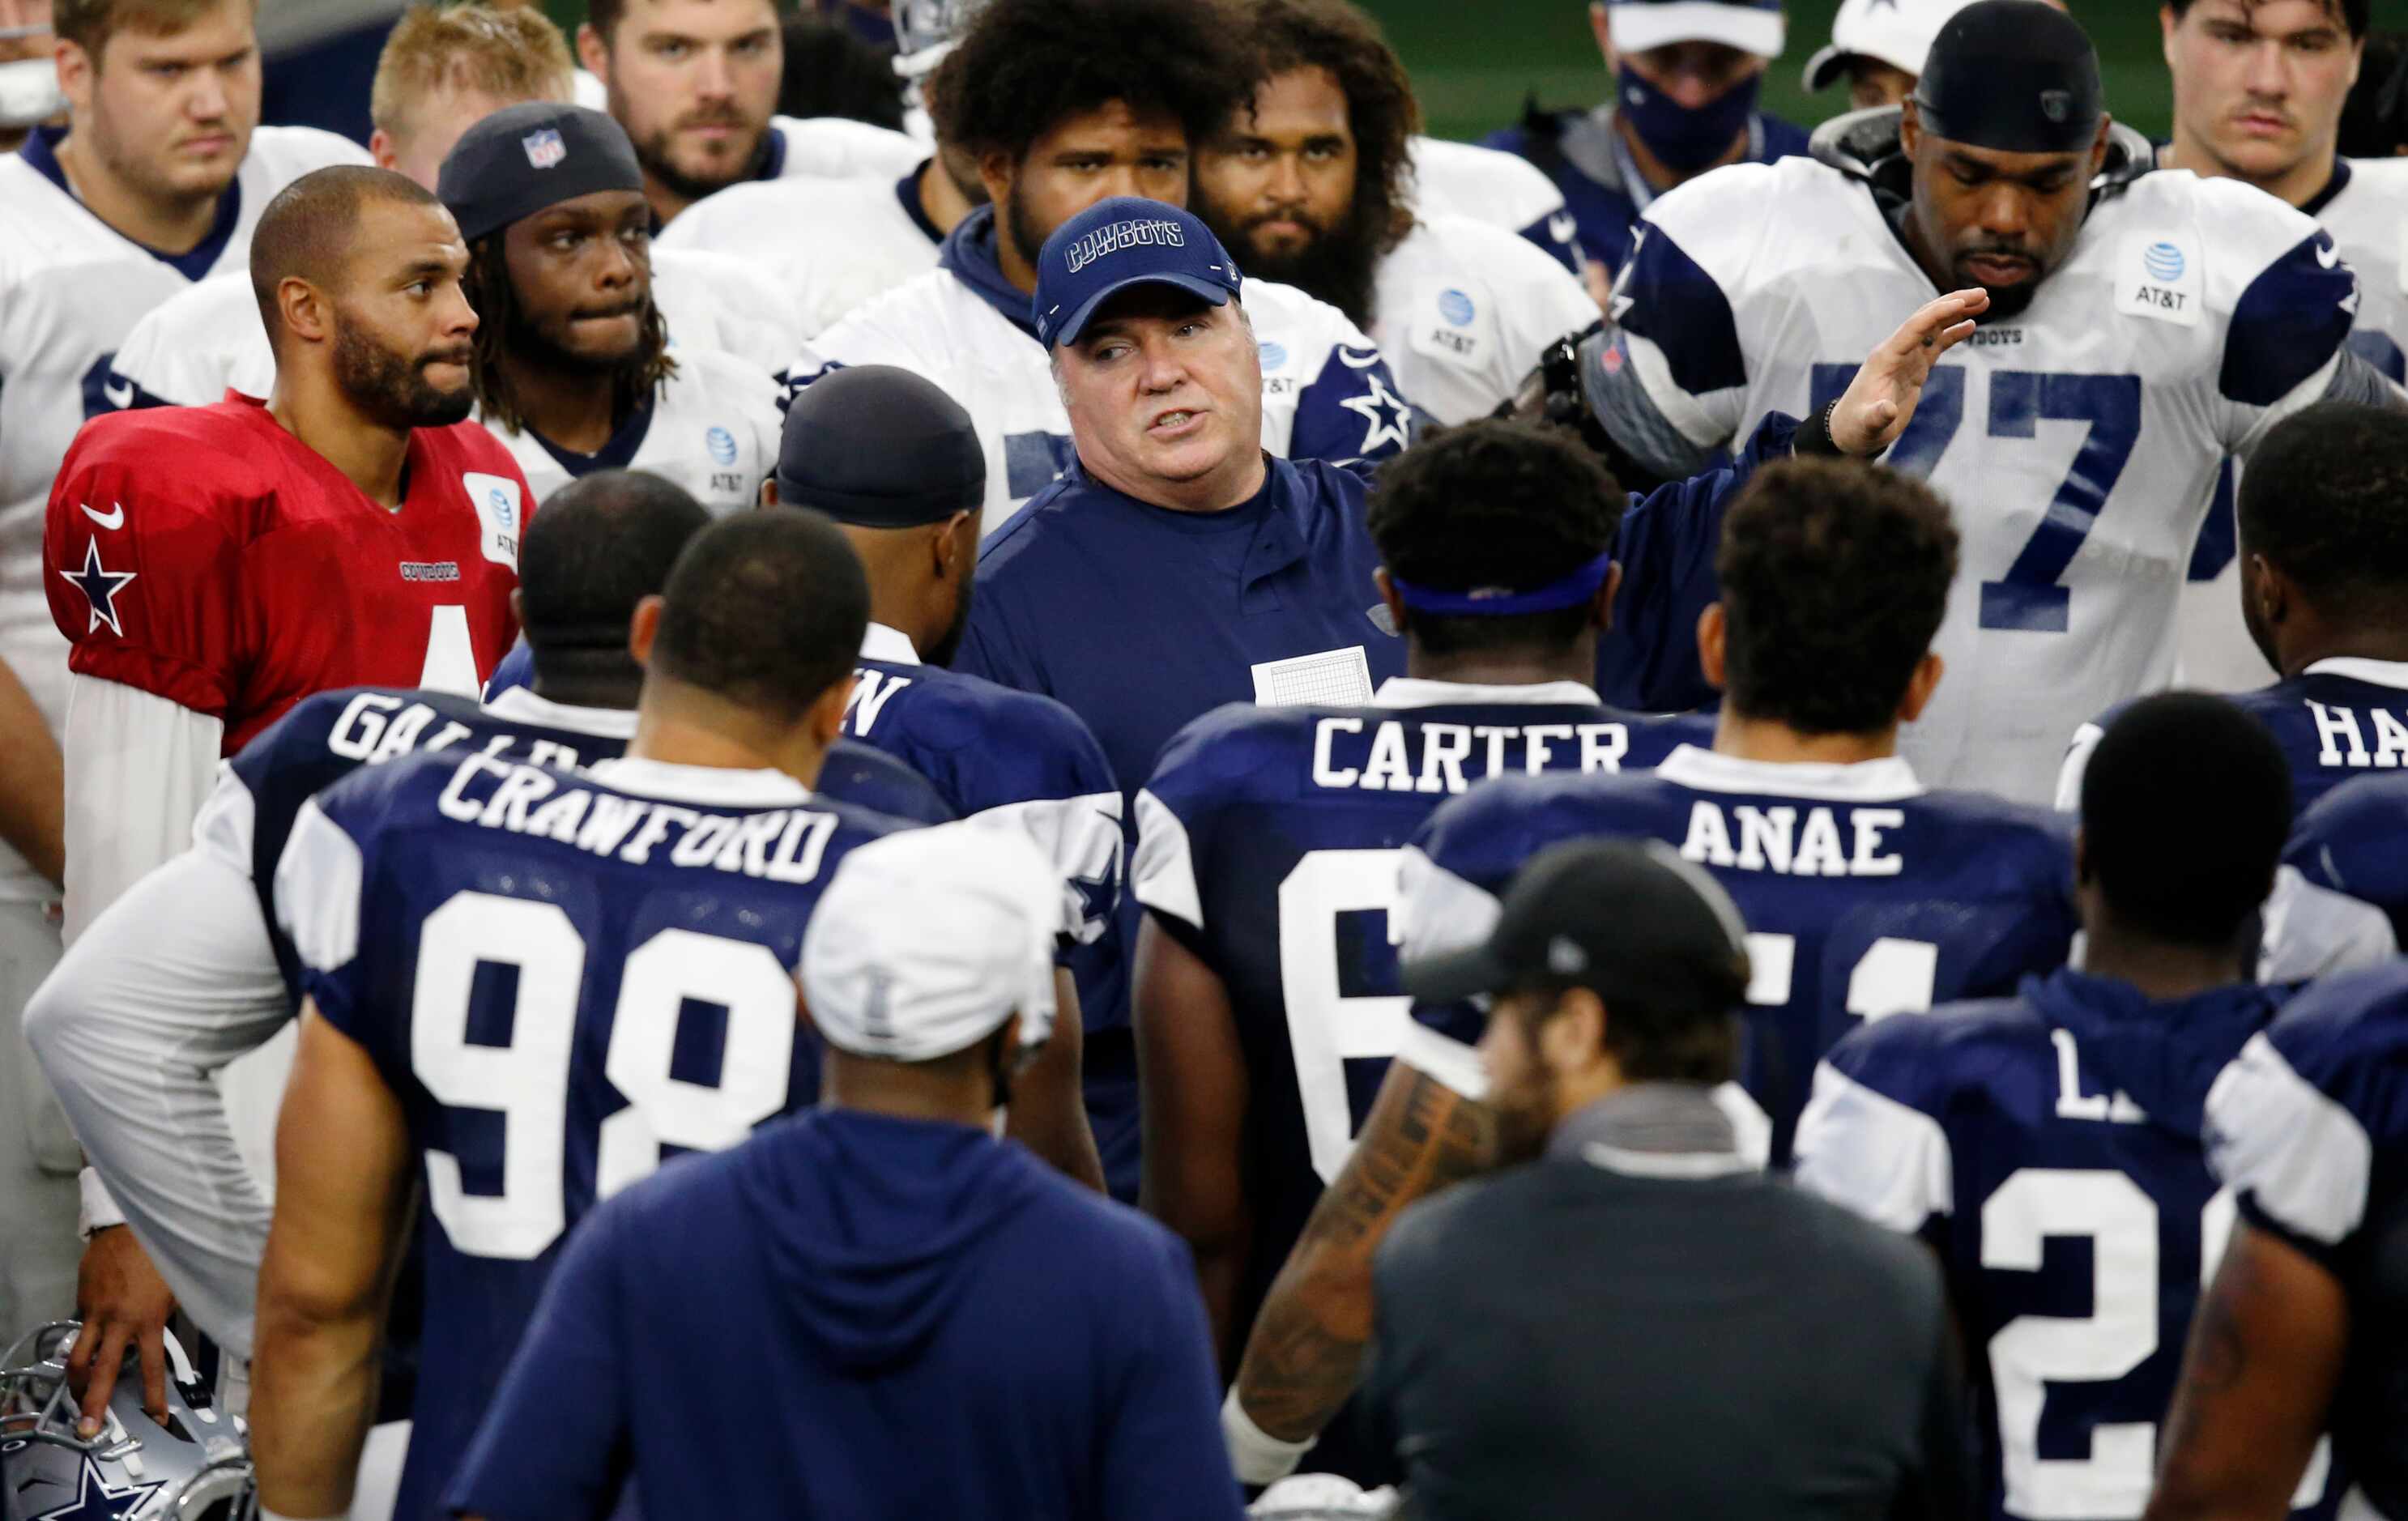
(1504,190)
(1465,309)
(829,245)
(208,339)
(71,288)
(2078,441)
(839,147)
(2369,219)
(712,429)
(1327,391)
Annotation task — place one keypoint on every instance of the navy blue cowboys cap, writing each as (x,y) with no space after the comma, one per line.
(1115,244)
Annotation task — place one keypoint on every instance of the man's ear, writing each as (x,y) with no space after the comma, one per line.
(518,608)
(995,171)
(2272,589)
(593,52)
(955,542)
(1600,612)
(79,72)
(826,717)
(1391,599)
(1712,633)
(381,147)
(643,628)
(2099,149)
(1910,127)
(1919,686)
(769,492)
(1601,26)
(307,314)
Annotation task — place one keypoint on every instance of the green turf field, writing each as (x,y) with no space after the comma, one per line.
(1473,63)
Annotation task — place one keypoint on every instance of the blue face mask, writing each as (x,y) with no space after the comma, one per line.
(1685,139)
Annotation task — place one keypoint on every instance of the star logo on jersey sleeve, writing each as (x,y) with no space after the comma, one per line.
(99,585)
(97,1499)
(1384,413)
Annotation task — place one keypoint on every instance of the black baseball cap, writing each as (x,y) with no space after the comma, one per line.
(1629,919)
(879,446)
(2017,76)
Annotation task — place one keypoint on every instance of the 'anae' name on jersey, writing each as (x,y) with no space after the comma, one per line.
(2048,1147)
(565,977)
(1864,895)
(2078,440)
(2310,1130)
(1270,840)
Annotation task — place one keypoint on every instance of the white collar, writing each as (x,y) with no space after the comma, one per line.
(891,645)
(720,784)
(2392,673)
(520,705)
(1887,779)
(1420,691)
(1688,1166)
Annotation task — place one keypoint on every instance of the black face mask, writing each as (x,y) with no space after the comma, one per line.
(1685,139)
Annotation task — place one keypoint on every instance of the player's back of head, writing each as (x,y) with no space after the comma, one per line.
(2186,805)
(600,545)
(310,229)
(1023,65)
(764,611)
(1835,579)
(2325,500)
(1497,512)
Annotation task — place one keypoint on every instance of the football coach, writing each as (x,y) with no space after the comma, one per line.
(1174,567)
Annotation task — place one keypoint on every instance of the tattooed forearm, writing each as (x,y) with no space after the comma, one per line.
(1306,1353)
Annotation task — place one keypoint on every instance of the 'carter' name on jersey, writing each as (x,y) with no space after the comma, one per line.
(1393,765)
(1769,839)
(782,845)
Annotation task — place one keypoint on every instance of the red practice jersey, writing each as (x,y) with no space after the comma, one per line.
(204,554)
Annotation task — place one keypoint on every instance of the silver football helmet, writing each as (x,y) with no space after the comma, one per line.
(196,1466)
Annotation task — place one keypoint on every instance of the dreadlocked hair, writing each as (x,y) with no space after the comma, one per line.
(488,287)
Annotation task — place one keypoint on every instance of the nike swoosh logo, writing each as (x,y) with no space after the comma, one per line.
(113,518)
(2328,256)
(1562,228)
(119,393)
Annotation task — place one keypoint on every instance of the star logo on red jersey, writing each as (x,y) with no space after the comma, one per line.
(99,585)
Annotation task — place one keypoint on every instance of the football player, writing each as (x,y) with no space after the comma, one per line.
(1066,103)
(2140,325)
(695,84)
(573,372)
(2298,1335)
(2008,1133)
(1309,183)
(191,971)
(1686,78)
(442,70)
(527,1016)
(156,180)
(1267,1000)
(2324,593)
(2259,89)
(1867,894)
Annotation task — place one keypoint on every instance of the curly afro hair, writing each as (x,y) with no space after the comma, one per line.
(1025,65)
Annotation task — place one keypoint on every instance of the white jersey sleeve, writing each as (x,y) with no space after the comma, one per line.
(138,769)
(1465,310)
(831,245)
(1503,190)
(1859,1147)
(838,147)
(190,350)
(2276,283)
(717,301)
(169,985)
(1327,391)
(2369,219)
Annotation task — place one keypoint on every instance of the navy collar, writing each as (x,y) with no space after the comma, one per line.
(970,256)
(612,456)
(2333,187)
(773,154)
(41,152)
(907,189)
(1278,539)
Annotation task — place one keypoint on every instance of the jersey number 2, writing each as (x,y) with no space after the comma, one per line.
(2029,598)
(526,1081)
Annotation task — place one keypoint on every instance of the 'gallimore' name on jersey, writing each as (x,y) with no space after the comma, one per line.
(1768,838)
(783,844)
(1424,755)
(377,726)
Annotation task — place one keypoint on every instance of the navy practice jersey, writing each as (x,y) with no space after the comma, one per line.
(2338,719)
(1864,895)
(1268,843)
(565,977)
(852,773)
(2355,840)
(2310,1130)
(2048,1147)
(327,737)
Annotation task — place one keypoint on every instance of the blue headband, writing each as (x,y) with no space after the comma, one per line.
(1495,602)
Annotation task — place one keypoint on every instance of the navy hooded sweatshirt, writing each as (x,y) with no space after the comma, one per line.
(858,1317)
